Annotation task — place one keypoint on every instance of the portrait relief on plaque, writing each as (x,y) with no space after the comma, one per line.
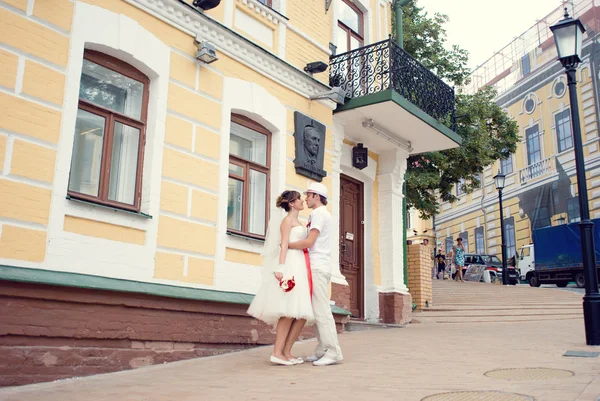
(309,135)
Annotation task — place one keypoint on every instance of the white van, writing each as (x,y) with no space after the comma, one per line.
(526,261)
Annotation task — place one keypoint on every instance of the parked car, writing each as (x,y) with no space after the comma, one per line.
(493,264)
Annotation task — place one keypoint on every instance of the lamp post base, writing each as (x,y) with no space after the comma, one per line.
(591,315)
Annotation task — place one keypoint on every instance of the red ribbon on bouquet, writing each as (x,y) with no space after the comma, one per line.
(308,271)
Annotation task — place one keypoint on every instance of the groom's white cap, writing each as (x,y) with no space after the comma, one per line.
(317,188)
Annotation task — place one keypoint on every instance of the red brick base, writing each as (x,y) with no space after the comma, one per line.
(340,293)
(395,308)
(50,332)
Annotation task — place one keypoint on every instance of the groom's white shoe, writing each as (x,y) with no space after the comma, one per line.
(312,358)
(325,361)
(278,361)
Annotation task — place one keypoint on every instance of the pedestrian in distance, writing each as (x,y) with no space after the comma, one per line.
(441,264)
(459,259)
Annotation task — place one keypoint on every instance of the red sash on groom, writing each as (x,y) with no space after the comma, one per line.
(308,271)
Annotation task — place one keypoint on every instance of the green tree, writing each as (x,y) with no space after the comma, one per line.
(487,132)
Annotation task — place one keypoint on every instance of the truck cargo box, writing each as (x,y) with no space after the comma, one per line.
(559,247)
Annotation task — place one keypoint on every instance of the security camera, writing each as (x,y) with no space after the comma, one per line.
(336,94)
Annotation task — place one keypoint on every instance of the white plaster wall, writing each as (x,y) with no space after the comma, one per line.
(253,101)
(114,34)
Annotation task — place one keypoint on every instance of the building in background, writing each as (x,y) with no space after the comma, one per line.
(540,185)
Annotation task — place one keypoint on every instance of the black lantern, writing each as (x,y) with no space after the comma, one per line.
(568,35)
(360,156)
(499,180)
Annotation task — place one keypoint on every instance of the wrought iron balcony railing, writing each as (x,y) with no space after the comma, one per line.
(385,65)
(537,169)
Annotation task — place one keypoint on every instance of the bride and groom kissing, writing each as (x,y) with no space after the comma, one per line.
(296,276)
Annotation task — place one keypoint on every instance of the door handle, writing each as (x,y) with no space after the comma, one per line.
(344,246)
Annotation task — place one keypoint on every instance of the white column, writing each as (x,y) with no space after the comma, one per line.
(392,166)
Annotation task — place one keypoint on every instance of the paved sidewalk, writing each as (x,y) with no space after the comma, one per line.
(403,364)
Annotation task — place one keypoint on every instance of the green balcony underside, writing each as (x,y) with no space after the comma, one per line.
(391,95)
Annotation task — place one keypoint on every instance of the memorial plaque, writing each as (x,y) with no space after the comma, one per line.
(309,138)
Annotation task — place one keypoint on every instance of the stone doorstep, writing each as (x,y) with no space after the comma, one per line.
(360,325)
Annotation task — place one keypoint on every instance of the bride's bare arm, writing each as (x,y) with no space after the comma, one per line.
(286,227)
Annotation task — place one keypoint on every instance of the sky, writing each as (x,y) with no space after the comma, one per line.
(483,27)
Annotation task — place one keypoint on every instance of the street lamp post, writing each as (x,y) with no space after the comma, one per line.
(568,34)
(499,181)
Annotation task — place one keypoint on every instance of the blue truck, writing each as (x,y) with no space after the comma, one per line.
(558,255)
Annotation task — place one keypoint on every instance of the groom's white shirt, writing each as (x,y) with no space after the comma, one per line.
(320,253)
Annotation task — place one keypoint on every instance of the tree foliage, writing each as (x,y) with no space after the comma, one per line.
(487,132)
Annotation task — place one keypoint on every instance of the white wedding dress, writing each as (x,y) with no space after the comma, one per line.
(271,302)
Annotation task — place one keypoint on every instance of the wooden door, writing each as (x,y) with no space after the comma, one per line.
(351,241)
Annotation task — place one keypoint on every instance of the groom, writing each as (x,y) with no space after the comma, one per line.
(318,242)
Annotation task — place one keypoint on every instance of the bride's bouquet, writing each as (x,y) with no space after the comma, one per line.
(287,283)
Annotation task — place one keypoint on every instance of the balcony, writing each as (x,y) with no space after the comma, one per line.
(384,83)
(537,170)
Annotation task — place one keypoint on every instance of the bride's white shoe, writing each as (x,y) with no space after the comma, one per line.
(278,361)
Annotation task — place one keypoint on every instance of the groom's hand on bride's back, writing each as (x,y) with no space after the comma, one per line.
(308,242)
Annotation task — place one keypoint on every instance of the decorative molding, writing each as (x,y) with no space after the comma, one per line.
(254,6)
(192,22)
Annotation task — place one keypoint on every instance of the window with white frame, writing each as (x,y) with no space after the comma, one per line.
(248,189)
(573,209)
(541,218)
(509,234)
(465,237)
(534,151)
(564,135)
(506,165)
(460,187)
(479,243)
(110,133)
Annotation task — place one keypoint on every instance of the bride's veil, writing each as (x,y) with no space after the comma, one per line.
(272,245)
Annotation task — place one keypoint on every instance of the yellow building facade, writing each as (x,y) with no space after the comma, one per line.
(143,144)
(540,185)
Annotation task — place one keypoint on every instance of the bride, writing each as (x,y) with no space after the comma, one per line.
(288,310)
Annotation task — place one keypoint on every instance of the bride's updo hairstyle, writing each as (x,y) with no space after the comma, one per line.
(286,199)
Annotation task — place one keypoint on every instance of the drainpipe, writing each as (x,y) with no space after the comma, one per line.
(398,9)
(485,244)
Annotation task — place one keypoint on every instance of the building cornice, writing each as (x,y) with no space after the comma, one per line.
(194,23)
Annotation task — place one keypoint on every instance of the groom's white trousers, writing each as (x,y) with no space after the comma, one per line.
(328,344)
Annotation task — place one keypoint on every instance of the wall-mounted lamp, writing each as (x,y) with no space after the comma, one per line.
(206,52)
(316,67)
(360,156)
(206,4)
(336,94)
